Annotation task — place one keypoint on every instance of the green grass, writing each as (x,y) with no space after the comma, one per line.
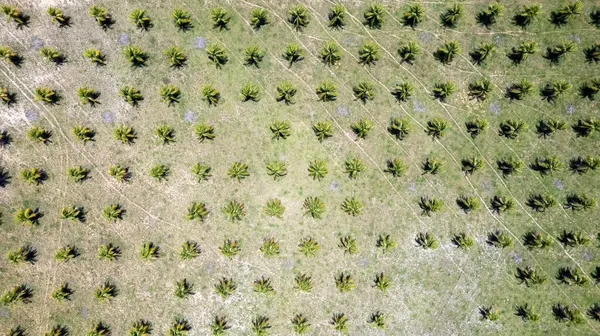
(392,90)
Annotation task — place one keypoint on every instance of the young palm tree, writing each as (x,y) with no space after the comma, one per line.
(442,91)
(21,293)
(353,167)
(547,127)
(39,134)
(141,328)
(139,18)
(413,15)
(476,126)
(149,251)
(385,242)
(131,95)
(170,94)
(88,95)
(326,91)
(250,92)
(409,51)
(430,205)
(259,17)
(175,56)
(447,52)
(300,324)
(396,167)
(535,239)
(293,53)
(62,292)
(374,15)
(78,173)
(66,253)
(556,54)
(362,128)
(339,322)
(183,289)
(595,18)
(6,97)
(381,282)
(501,204)
(160,172)
(73,213)
(165,133)
(463,240)
(488,17)
(4,178)
(527,15)
(547,165)
(276,169)
(480,53)
(234,210)
(57,330)
(511,128)
(344,282)
(337,16)
(25,253)
(571,276)
(218,326)
(563,15)
(594,311)
(377,320)
(189,250)
(109,252)
(399,127)
(467,203)
(452,15)
(113,212)
(182,19)
(14,14)
(102,17)
(471,164)
(402,91)
(95,56)
(499,239)
(220,18)
(210,94)
(317,169)
(285,93)
(583,165)
(11,56)
(520,54)
(573,239)
(270,247)
(368,54)
(586,127)
(253,55)
(217,55)
(314,207)
(364,91)
(348,244)
(260,325)
(577,202)
(436,128)
(46,95)
(509,165)
(298,16)
(352,206)
(541,202)
(225,287)
(330,53)
(323,130)
(426,240)
(99,329)
(5,139)
(432,165)
(34,176)
(489,313)
(204,131)
(274,208)
(303,282)
(52,55)
(135,55)
(125,133)
(263,285)
(238,171)
(120,173)
(180,327)
(529,276)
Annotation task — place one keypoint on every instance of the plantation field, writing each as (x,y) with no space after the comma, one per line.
(385,258)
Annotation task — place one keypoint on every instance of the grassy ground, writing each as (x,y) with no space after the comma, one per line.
(433,292)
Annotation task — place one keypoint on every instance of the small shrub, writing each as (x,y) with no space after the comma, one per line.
(95,56)
(253,56)
(57,330)
(99,329)
(337,18)
(180,327)
(527,15)
(276,169)
(165,133)
(88,95)
(52,55)
(317,169)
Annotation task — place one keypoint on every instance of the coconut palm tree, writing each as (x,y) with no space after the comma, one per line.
(442,91)
(547,127)
(180,327)
(426,240)
(131,95)
(364,91)
(499,239)
(6,97)
(263,285)
(285,93)
(595,18)
(160,172)
(395,166)
(467,203)
(260,325)
(430,205)
(5,138)
(563,15)
(189,250)
(583,165)
(352,206)
(46,95)
(541,202)
(20,293)
(52,55)
(183,289)
(175,56)
(535,239)
(377,320)
(303,282)
(99,329)
(446,53)
(463,240)
(348,244)
(527,15)
(489,16)
(432,165)
(480,89)
(78,173)
(274,208)
(210,94)
(520,54)
(471,164)
(489,313)
(293,53)
(109,252)
(62,292)
(253,55)
(337,16)
(39,134)
(592,54)
(234,210)
(452,15)
(436,128)
(165,133)
(594,311)
(573,239)
(385,242)
(25,253)
(15,15)
(586,127)
(276,169)
(11,56)
(170,94)
(182,19)
(374,15)
(120,173)
(125,133)
(381,282)
(298,16)
(529,276)
(557,53)
(402,91)
(217,55)
(323,130)
(201,171)
(300,324)
(270,247)
(362,127)
(238,171)
(511,128)
(34,176)
(102,17)
(399,127)
(368,54)
(353,167)
(480,53)
(140,19)
(149,251)
(220,18)
(409,51)
(571,276)
(547,165)
(225,287)
(4,177)
(344,282)
(314,207)
(135,55)
(250,92)
(577,202)
(141,328)
(73,213)
(259,17)
(339,321)
(330,53)
(509,165)
(66,253)
(113,212)
(413,15)
(95,56)
(326,91)
(219,326)
(476,126)
(501,204)
(317,169)
(88,95)
(57,330)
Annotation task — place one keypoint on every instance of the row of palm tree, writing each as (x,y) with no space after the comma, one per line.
(299,16)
